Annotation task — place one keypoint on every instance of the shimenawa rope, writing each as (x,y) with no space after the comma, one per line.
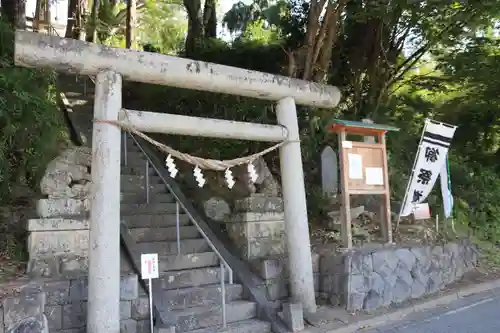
(202,163)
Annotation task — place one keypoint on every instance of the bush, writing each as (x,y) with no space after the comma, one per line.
(31,125)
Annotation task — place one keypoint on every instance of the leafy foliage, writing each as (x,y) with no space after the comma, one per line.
(396,61)
(31,126)
(162,27)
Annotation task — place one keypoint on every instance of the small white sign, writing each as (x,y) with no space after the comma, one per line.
(149,266)
(355,162)
(374,176)
(346,144)
(422,211)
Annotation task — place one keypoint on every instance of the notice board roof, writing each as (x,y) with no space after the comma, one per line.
(358,127)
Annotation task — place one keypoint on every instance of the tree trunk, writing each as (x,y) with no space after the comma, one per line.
(195,26)
(15,12)
(92,29)
(21,14)
(81,19)
(131,19)
(210,19)
(72,19)
(324,20)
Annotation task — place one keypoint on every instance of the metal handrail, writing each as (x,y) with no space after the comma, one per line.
(51,29)
(178,203)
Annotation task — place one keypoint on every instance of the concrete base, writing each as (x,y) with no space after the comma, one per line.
(276,276)
(293,316)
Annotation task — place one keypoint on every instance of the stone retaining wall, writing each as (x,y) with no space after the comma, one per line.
(364,279)
(61,306)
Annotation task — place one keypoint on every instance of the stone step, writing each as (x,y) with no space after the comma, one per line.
(207,316)
(197,245)
(182,298)
(141,188)
(132,147)
(134,158)
(154,221)
(136,170)
(243,326)
(139,180)
(195,277)
(140,197)
(176,262)
(149,209)
(143,235)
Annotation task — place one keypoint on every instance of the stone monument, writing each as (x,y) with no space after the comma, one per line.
(329,172)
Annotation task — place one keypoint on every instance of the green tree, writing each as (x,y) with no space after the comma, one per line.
(202,24)
(163,26)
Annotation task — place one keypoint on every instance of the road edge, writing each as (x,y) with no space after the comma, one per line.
(400,314)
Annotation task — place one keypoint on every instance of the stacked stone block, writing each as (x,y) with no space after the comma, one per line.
(58,240)
(257,226)
(61,306)
(23,310)
(275,273)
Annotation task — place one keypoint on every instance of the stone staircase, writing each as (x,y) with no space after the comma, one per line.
(190,273)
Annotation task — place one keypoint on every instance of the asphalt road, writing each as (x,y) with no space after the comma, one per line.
(475,314)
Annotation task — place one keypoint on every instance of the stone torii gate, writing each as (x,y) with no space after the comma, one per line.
(111,65)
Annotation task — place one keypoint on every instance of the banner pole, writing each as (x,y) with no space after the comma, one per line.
(450,195)
(411,175)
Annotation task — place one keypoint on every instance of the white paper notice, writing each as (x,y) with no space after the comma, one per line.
(149,266)
(346,144)
(374,176)
(355,166)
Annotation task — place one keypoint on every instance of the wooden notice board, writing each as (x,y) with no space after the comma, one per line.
(363,171)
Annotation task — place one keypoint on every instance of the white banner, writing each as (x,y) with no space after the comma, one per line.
(434,145)
(446,190)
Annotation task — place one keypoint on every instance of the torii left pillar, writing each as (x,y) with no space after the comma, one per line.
(103,308)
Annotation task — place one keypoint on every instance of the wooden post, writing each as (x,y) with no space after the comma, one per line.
(346,232)
(370,171)
(385,209)
(103,307)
